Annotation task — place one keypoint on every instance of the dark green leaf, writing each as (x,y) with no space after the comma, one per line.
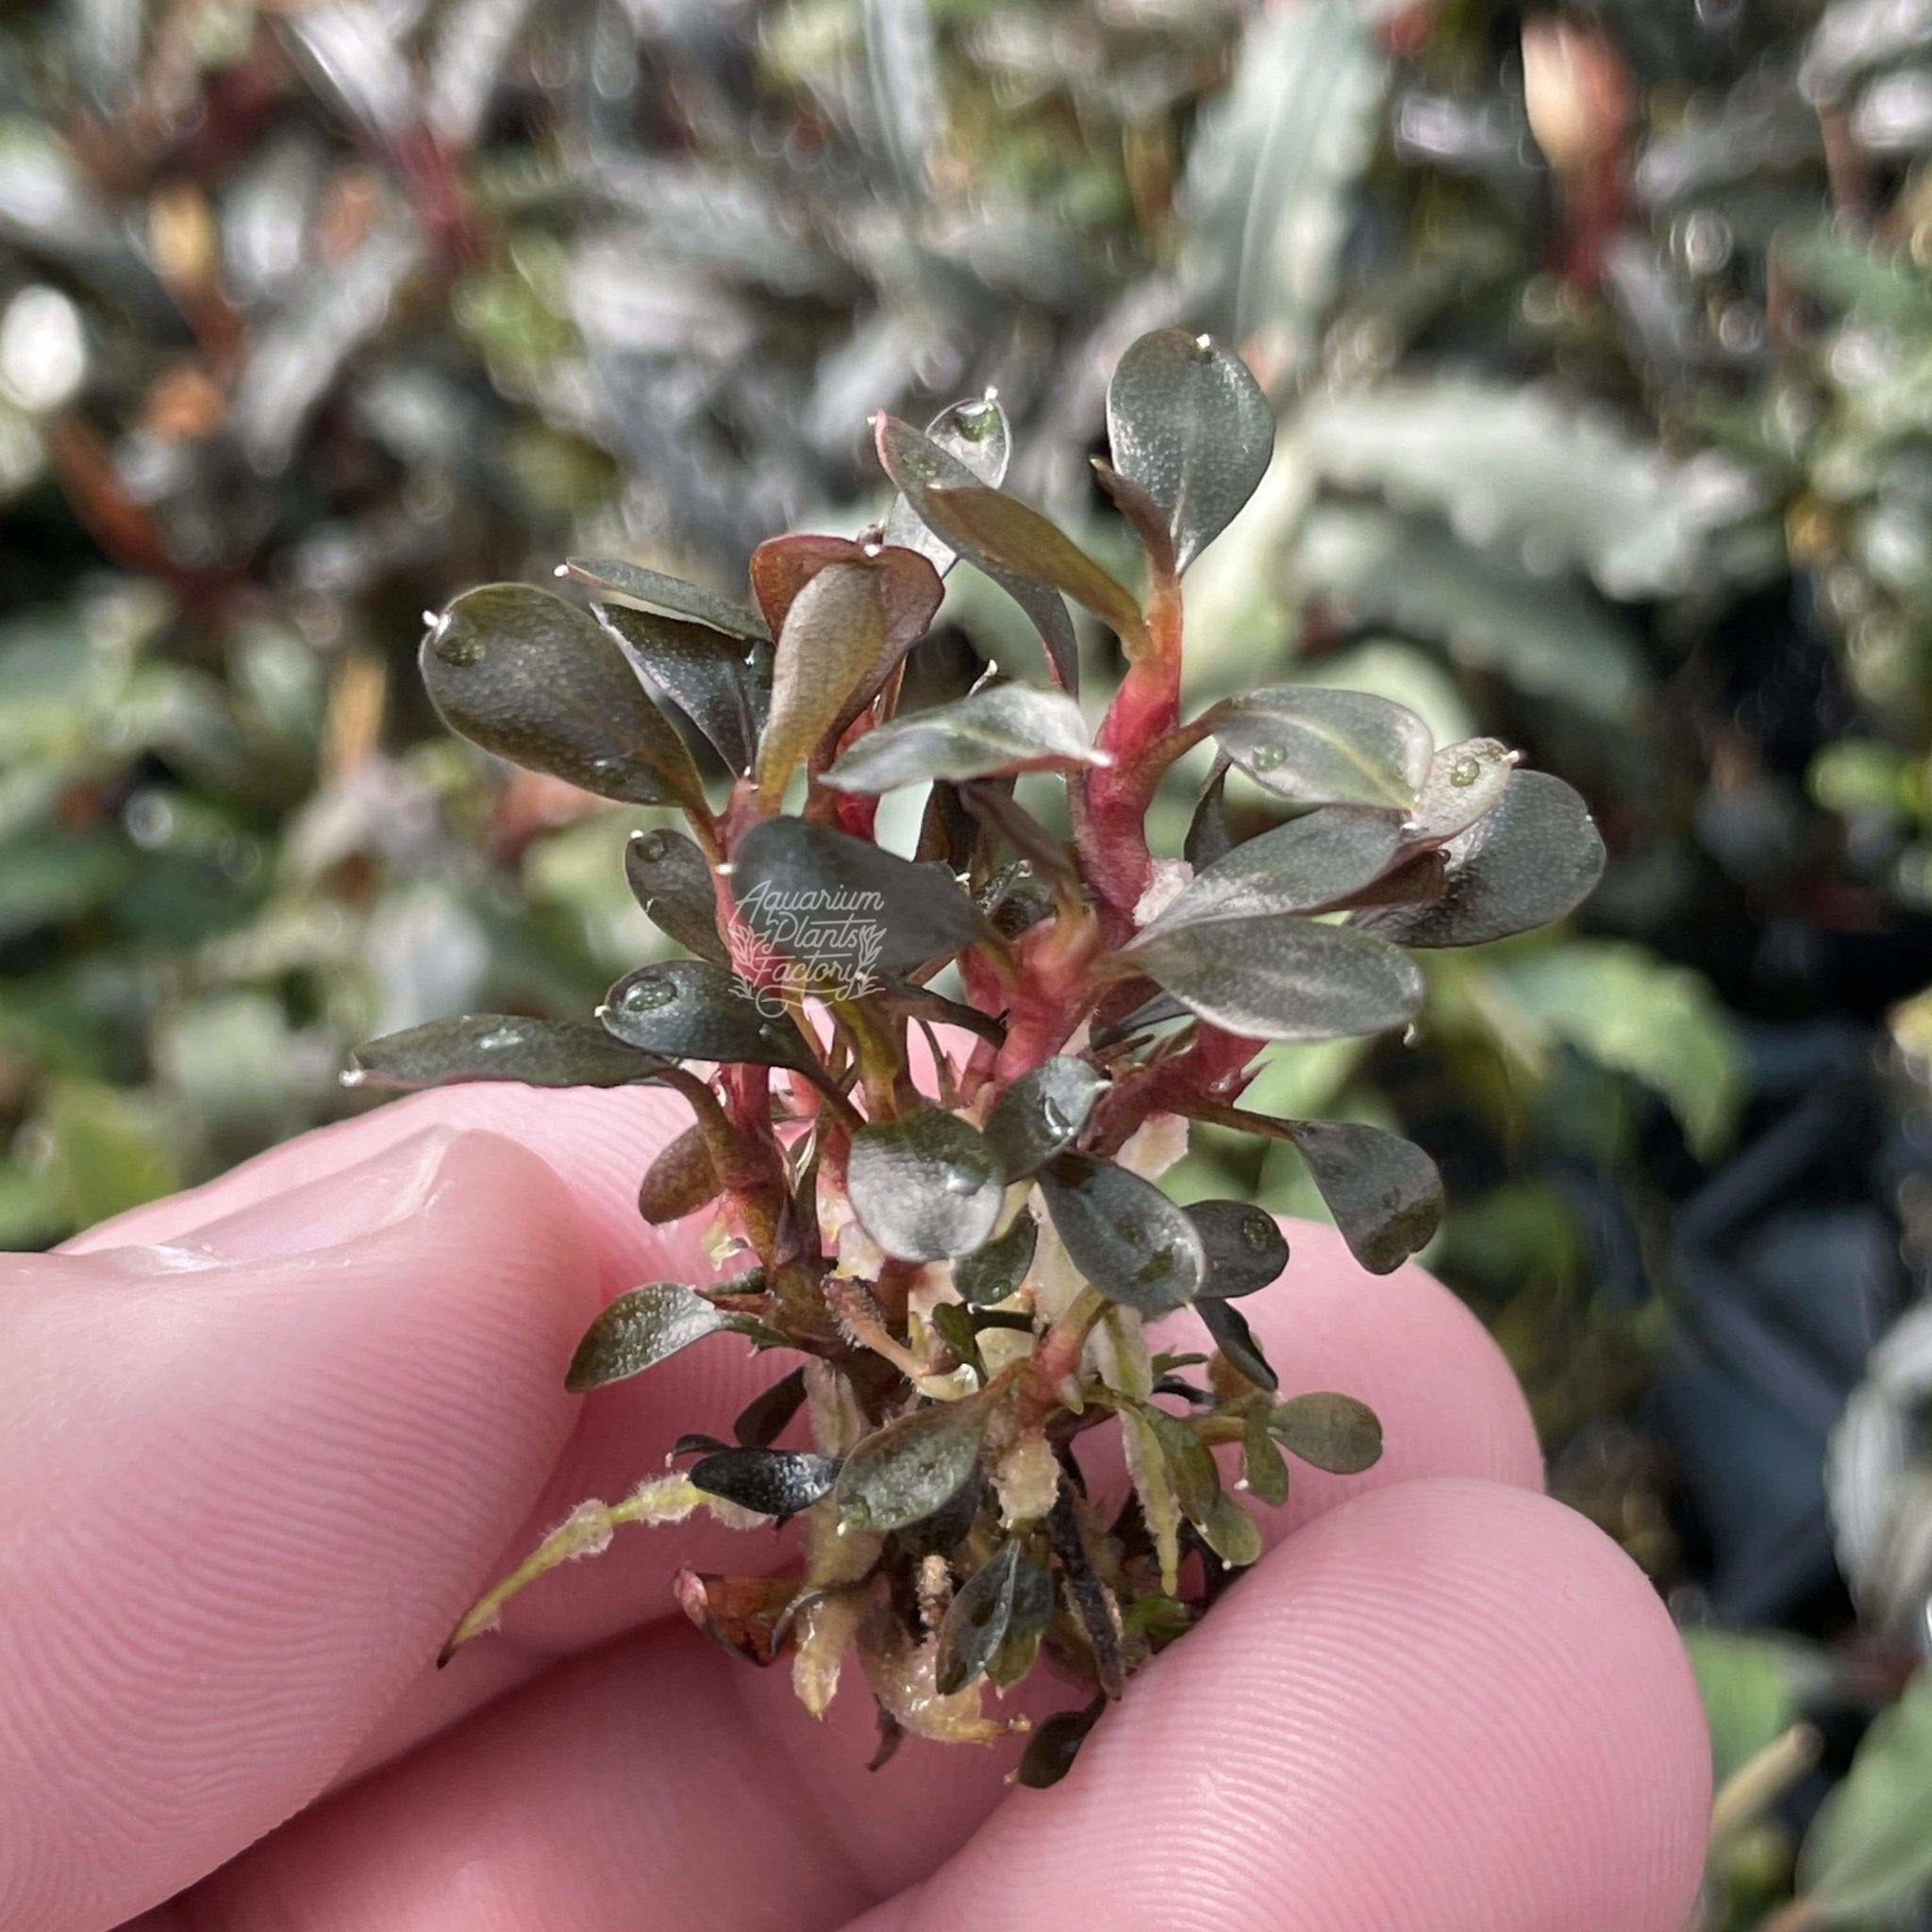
(975,1621)
(1092,1602)
(1531,858)
(497,1046)
(1282,977)
(669,878)
(1147,519)
(774,1482)
(912,1467)
(845,909)
(681,1181)
(1210,839)
(916,463)
(1001,728)
(954,1326)
(1033,1607)
(1054,1746)
(764,1416)
(1236,1340)
(688,1010)
(1189,423)
(1043,1112)
(711,677)
(1123,1234)
(1328,747)
(927,1187)
(991,1273)
(639,1330)
(1262,1469)
(979,522)
(1383,1192)
(1245,1247)
(1464,780)
(978,437)
(1231,1533)
(1318,860)
(656,591)
(1190,1463)
(539,682)
(1334,1432)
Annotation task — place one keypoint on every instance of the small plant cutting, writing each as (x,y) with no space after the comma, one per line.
(930,1094)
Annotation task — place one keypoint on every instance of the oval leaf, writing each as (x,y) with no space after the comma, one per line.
(975,1621)
(1328,747)
(1334,1432)
(688,1010)
(1188,423)
(1245,1248)
(1054,1746)
(774,1482)
(654,590)
(1320,860)
(1236,1340)
(764,1416)
(979,440)
(845,909)
(1282,977)
(1464,781)
(1383,1192)
(991,1273)
(497,1046)
(711,677)
(912,1467)
(834,631)
(539,682)
(1000,729)
(1123,1234)
(669,878)
(639,1330)
(681,1181)
(926,1187)
(1531,858)
(1043,1113)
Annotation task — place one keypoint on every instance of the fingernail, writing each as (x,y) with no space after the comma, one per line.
(382,1192)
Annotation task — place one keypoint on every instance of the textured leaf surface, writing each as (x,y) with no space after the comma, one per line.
(497,1046)
(1003,728)
(1123,1234)
(911,1468)
(1245,1247)
(690,1010)
(714,680)
(927,1187)
(1328,747)
(639,1330)
(654,590)
(1043,1112)
(1383,1192)
(1333,1432)
(774,1482)
(669,878)
(1315,862)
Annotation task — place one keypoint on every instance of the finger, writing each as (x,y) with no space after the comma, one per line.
(1449,1706)
(247,1495)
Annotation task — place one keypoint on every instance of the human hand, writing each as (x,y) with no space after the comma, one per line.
(261,1444)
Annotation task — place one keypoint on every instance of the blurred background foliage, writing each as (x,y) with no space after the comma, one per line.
(1602,339)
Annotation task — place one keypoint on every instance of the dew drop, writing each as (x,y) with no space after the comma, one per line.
(609,764)
(1256,1230)
(1052,1118)
(648,995)
(1465,771)
(1269,756)
(459,647)
(959,1181)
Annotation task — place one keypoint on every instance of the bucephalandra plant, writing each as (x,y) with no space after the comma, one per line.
(929,1095)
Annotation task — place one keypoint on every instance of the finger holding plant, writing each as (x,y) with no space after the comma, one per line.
(965,1260)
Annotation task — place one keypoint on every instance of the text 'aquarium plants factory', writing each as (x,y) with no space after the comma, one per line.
(932,1087)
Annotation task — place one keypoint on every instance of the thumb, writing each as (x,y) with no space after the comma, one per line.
(250,1482)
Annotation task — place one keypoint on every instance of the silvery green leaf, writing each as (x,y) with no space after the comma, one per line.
(1333,1432)
(1041,1113)
(999,730)
(689,1009)
(1464,781)
(919,465)
(1236,1340)
(704,673)
(1531,858)
(843,909)
(927,1187)
(538,681)
(774,1482)
(1191,426)
(1123,1234)
(991,1273)
(1383,1192)
(1262,1468)
(912,1467)
(653,591)
(975,1621)
(1547,635)
(1245,1248)
(1326,747)
(670,878)
(975,433)
(1320,860)
(497,1046)
(681,1180)
(1283,978)
(639,1330)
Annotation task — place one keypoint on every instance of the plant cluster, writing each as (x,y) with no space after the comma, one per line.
(931,1093)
